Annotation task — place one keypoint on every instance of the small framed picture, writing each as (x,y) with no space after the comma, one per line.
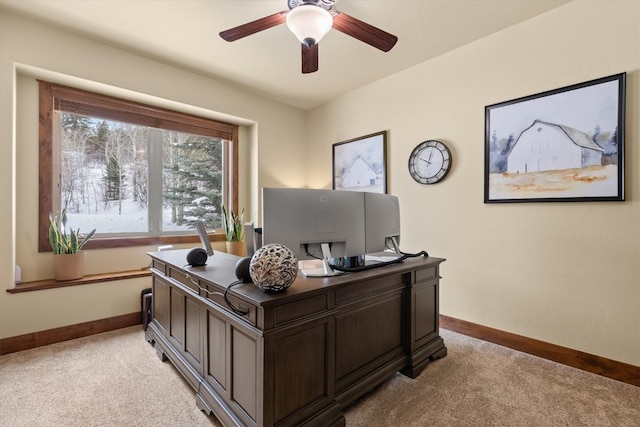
(566,144)
(360,164)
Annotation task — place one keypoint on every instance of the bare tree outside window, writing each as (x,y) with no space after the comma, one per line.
(105,169)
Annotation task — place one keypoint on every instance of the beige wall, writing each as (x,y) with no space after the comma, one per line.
(564,273)
(29,51)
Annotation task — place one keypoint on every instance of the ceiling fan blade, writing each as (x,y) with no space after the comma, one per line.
(309,58)
(253,27)
(364,32)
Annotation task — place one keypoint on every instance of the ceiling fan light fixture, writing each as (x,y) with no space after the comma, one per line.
(309,23)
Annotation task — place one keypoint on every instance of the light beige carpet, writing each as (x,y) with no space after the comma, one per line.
(116,379)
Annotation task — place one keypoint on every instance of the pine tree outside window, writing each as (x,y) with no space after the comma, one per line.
(138,174)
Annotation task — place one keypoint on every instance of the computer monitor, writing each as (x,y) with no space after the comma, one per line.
(204,238)
(315,223)
(382,222)
(252,238)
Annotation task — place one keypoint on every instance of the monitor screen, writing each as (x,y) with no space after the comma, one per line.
(382,222)
(314,223)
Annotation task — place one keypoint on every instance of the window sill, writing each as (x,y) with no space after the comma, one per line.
(94,278)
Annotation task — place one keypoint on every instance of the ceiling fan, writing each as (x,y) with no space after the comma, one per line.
(310,20)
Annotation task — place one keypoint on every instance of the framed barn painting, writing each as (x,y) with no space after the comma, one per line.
(360,164)
(564,145)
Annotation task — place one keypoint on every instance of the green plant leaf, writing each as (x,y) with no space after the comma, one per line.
(86,238)
(63,239)
(233,225)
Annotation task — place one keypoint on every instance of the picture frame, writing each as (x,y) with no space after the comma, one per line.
(360,164)
(561,145)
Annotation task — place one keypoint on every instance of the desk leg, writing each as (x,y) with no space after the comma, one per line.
(419,360)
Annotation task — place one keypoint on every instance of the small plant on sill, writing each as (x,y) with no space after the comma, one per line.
(233,225)
(64,239)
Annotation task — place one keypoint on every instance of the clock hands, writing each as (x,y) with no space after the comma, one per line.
(428,161)
(438,162)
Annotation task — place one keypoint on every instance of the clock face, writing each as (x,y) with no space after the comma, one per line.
(429,162)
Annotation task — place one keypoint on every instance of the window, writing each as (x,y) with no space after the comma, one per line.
(139,174)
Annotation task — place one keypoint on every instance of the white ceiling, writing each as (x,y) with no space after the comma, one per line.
(185,33)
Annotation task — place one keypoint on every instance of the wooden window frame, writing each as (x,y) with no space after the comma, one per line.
(58,97)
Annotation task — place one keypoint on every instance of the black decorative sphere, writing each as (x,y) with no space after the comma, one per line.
(273,267)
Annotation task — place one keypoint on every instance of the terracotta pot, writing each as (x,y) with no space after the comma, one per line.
(68,266)
(237,248)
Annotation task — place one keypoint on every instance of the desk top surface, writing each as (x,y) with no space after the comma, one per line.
(220,271)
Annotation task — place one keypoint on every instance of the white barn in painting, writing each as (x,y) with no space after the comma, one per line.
(547,146)
(359,174)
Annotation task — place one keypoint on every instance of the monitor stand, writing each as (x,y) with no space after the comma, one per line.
(381,257)
(326,270)
(396,248)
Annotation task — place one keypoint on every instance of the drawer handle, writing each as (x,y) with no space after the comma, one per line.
(223,295)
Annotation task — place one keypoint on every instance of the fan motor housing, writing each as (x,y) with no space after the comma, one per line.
(325,4)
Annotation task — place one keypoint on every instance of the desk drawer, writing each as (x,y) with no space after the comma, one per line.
(298,310)
(425,274)
(182,277)
(216,296)
(160,266)
(360,290)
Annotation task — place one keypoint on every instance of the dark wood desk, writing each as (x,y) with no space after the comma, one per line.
(298,357)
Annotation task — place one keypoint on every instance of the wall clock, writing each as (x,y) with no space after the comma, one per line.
(429,162)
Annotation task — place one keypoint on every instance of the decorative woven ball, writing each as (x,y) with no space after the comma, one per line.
(273,267)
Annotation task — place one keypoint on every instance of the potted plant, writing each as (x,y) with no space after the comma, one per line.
(234,231)
(66,244)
